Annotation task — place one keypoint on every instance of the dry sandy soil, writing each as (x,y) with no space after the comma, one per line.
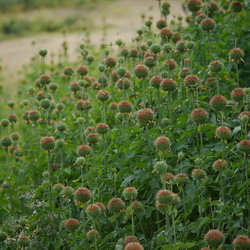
(123,18)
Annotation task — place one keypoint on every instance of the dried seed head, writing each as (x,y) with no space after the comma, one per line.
(219,165)
(67,192)
(236,6)
(137,206)
(133,53)
(71,224)
(113,106)
(123,84)
(170,64)
(214,238)
(93,211)
(90,130)
(181,46)
(116,205)
(15,136)
(164,197)
(12,118)
(129,239)
(58,187)
(82,194)
(102,128)
(181,179)
(45,79)
(238,94)
(100,205)
(82,70)
(102,95)
(47,143)
(176,37)
(92,138)
(129,193)
(236,54)
(199,116)
(145,116)
(149,61)
(134,246)
(68,71)
(215,66)
(244,146)
(199,18)
(223,132)
(194,5)
(191,81)
(241,242)
(110,62)
(141,71)
(211,82)
(162,143)
(23,241)
(169,177)
(207,24)
(198,174)
(92,234)
(184,72)
(155,81)
(168,84)
(176,200)
(83,150)
(213,7)
(166,33)
(125,107)
(160,24)
(218,102)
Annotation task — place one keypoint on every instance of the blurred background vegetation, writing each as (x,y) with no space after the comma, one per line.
(29,17)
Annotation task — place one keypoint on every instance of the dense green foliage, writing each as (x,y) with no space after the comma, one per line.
(167,136)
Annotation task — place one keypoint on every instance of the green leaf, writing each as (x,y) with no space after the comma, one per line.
(236,130)
(128,213)
(119,244)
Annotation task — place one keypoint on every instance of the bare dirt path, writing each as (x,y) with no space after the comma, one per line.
(123,18)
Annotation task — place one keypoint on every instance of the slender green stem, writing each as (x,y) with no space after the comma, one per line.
(94,225)
(221,188)
(81,167)
(50,183)
(209,46)
(9,174)
(144,94)
(132,219)
(237,74)
(247,188)
(170,108)
(159,107)
(83,220)
(167,229)
(173,224)
(47,121)
(158,220)
(201,138)
(163,181)
(184,203)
